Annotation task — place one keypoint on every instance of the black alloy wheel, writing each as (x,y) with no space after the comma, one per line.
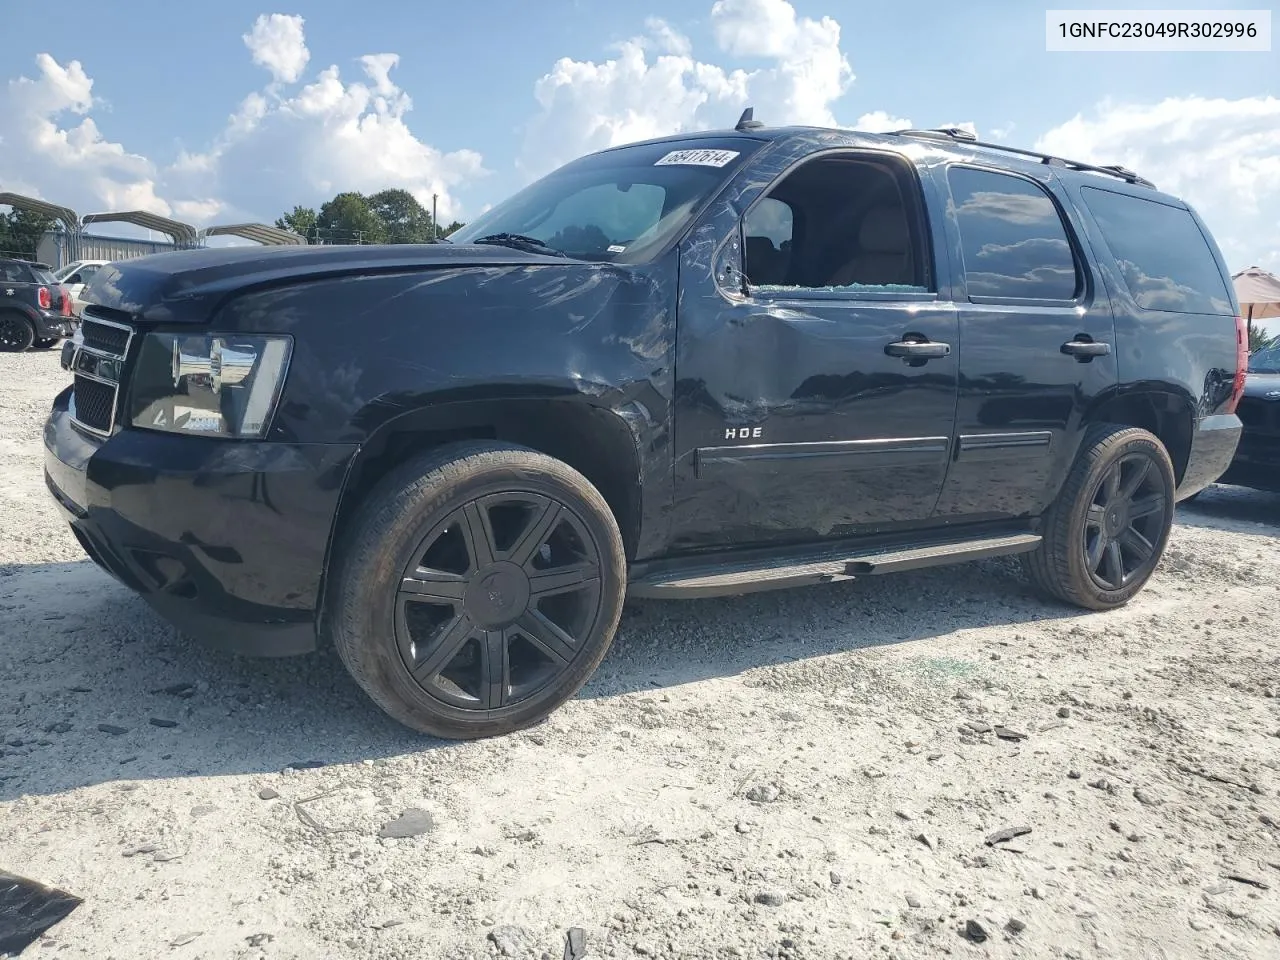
(1127,516)
(16,332)
(476,589)
(496,602)
(1104,535)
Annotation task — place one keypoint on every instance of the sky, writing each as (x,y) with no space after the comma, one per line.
(238,110)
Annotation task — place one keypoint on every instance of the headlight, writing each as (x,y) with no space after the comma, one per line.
(214,385)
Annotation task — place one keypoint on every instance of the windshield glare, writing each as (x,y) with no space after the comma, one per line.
(1266,360)
(620,206)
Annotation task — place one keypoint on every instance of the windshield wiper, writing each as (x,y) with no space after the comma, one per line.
(521,242)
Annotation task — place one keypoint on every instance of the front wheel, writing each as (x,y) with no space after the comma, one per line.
(478,588)
(1106,532)
(45,343)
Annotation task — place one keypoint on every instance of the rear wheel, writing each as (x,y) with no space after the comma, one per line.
(479,587)
(16,332)
(1106,533)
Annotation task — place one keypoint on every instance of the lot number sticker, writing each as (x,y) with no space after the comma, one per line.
(698,158)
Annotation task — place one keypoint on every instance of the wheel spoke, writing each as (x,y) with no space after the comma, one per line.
(1093,555)
(547,637)
(535,534)
(1096,516)
(495,668)
(1146,507)
(1112,484)
(478,534)
(1114,561)
(1135,481)
(563,579)
(426,584)
(1138,544)
(450,643)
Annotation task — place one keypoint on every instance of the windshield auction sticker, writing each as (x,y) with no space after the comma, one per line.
(697,158)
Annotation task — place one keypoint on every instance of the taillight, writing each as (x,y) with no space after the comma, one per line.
(44,298)
(66,300)
(1242,364)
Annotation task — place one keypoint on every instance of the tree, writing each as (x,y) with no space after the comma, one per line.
(300,220)
(1259,339)
(21,230)
(388,216)
(403,217)
(348,218)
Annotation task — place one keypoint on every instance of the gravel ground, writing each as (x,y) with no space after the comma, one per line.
(811,774)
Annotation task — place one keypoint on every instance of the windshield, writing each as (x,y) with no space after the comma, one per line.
(66,271)
(1266,360)
(43,276)
(620,206)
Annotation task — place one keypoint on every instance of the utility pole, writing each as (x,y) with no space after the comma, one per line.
(435,224)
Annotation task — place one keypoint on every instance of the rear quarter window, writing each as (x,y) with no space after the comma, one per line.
(1163,256)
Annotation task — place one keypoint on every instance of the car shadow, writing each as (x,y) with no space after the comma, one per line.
(1227,507)
(99,689)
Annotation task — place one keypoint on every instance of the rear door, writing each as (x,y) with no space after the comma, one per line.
(1037,340)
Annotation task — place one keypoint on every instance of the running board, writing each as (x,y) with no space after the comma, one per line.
(732,579)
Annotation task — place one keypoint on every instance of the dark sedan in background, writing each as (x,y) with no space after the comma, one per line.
(1257,459)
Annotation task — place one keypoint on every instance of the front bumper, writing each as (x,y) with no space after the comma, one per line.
(227,540)
(1256,463)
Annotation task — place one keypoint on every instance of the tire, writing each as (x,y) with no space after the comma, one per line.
(45,343)
(519,580)
(1133,467)
(16,332)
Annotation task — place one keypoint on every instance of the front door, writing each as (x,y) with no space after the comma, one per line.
(815,396)
(1038,336)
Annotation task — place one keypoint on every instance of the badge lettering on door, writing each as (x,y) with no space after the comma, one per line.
(743,433)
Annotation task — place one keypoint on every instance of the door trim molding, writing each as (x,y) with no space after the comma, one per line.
(840,454)
(973,447)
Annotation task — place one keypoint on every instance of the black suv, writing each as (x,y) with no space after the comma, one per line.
(701,365)
(35,310)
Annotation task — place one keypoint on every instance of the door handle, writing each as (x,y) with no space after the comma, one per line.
(1084,348)
(917,349)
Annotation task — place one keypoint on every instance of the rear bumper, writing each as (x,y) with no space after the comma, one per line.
(227,540)
(1213,446)
(53,326)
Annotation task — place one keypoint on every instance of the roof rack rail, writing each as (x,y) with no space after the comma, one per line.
(953,134)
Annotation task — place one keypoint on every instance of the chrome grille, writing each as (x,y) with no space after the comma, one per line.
(108,337)
(98,366)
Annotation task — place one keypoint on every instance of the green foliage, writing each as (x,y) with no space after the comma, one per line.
(388,216)
(1259,339)
(21,230)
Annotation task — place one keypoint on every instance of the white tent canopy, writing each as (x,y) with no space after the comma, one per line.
(1259,294)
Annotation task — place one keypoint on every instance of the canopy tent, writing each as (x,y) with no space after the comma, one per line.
(258,232)
(183,234)
(1259,294)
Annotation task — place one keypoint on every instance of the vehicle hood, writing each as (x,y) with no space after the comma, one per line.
(187,286)
(1264,386)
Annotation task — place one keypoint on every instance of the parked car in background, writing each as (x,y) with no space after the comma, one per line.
(74,276)
(703,365)
(1257,460)
(35,310)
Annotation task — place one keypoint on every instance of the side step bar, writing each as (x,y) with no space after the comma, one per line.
(731,579)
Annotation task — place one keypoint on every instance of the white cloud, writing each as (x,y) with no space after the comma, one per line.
(276,149)
(1221,156)
(877,121)
(277,43)
(589,105)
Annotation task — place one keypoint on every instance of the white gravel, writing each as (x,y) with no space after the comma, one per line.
(788,775)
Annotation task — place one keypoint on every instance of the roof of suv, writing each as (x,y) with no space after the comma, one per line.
(951,141)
